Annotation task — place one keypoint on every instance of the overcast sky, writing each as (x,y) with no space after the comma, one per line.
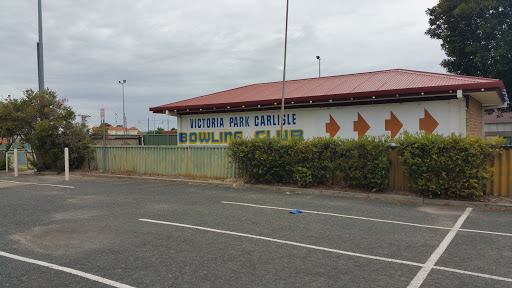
(170,50)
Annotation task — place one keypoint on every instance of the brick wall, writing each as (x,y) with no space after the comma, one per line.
(473,117)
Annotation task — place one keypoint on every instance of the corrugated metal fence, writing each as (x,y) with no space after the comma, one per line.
(213,162)
(501,185)
(160,139)
(166,160)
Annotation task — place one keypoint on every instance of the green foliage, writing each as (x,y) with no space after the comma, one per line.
(303,176)
(260,160)
(476,36)
(158,130)
(365,163)
(45,122)
(362,163)
(452,166)
(11,121)
(2,161)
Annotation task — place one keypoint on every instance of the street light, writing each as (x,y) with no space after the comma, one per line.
(318,58)
(124,117)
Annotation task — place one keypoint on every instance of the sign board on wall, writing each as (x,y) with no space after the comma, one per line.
(442,117)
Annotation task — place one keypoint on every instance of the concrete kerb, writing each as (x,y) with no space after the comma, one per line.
(319,192)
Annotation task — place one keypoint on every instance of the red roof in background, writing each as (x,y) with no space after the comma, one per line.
(387,82)
(121,128)
(171,132)
(3,140)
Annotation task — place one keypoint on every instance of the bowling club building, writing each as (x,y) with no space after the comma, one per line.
(387,102)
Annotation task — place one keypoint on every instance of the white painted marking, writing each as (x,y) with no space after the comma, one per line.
(286,242)
(423,273)
(369,219)
(328,249)
(68,270)
(27,183)
(474,274)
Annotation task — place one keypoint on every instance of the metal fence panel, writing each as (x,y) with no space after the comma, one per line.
(502,182)
(166,160)
(161,139)
(213,162)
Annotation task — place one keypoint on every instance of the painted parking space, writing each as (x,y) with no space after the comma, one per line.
(245,237)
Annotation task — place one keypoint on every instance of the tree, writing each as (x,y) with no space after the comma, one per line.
(99,128)
(476,36)
(11,124)
(158,130)
(45,122)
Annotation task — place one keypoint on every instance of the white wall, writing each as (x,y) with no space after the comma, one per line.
(311,122)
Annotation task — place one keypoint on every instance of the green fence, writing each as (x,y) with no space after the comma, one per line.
(22,158)
(165,160)
(161,139)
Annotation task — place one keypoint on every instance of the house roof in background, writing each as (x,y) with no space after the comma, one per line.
(379,84)
(121,128)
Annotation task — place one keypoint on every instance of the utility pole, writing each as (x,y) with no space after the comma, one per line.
(284,70)
(124,117)
(40,65)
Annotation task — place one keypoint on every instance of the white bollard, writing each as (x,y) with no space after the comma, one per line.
(6,162)
(15,162)
(66,164)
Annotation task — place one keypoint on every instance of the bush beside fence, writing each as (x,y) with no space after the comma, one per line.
(450,166)
(310,167)
(364,163)
(437,166)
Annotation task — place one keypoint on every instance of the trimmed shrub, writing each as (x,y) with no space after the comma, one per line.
(452,166)
(260,160)
(365,163)
(316,156)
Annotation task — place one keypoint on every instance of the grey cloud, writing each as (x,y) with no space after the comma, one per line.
(174,50)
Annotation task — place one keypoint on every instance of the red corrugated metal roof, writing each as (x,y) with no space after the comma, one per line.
(387,82)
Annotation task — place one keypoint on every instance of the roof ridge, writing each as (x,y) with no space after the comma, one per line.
(445,75)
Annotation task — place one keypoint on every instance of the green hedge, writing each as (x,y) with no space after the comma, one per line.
(448,167)
(364,163)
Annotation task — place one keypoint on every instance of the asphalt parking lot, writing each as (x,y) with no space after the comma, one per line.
(93,232)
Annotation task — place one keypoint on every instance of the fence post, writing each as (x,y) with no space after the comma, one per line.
(66,164)
(15,162)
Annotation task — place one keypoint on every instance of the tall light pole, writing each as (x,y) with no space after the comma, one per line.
(284,70)
(124,117)
(318,58)
(40,66)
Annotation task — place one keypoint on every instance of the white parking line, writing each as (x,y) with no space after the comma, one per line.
(368,219)
(68,270)
(27,183)
(286,242)
(329,249)
(423,273)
